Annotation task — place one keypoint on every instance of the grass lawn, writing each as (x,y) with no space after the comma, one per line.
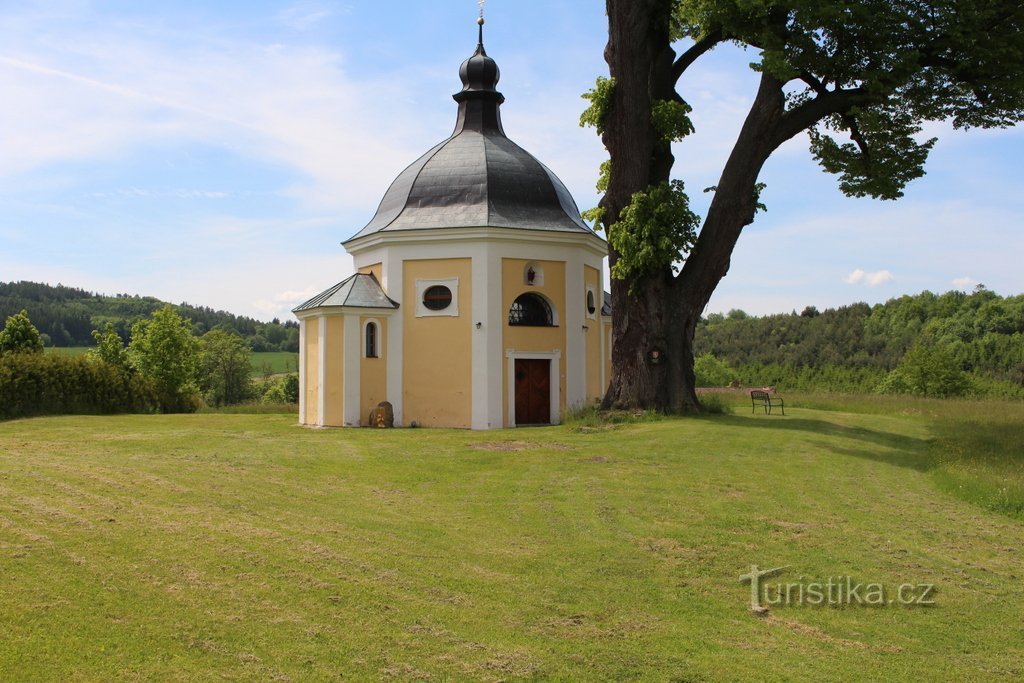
(244,547)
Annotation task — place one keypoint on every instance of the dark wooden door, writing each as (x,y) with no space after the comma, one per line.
(533,391)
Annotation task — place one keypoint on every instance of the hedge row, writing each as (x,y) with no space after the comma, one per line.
(54,384)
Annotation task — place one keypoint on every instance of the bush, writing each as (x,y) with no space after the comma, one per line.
(20,335)
(926,370)
(281,390)
(54,384)
(712,372)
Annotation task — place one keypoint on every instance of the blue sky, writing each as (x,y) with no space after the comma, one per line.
(217,153)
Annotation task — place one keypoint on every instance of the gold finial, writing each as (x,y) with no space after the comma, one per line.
(480,19)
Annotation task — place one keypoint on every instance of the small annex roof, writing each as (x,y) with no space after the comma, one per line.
(359,291)
(606,303)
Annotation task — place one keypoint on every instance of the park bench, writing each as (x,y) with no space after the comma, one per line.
(764,399)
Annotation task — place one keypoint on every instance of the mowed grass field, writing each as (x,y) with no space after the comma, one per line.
(243,547)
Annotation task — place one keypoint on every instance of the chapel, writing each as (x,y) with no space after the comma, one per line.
(478,297)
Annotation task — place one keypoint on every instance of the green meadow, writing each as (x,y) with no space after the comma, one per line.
(244,547)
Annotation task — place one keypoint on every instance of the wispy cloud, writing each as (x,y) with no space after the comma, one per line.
(294,106)
(869,279)
(965,282)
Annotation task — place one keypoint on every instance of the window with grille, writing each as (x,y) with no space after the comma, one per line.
(530,310)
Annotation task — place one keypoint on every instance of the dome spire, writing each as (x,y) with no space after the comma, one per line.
(480,23)
(479,98)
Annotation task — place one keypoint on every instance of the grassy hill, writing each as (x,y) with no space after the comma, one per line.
(244,547)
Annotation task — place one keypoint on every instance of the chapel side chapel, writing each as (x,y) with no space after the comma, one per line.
(478,298)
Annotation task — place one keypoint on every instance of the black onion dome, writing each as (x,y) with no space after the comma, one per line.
(477,177)
(479,72)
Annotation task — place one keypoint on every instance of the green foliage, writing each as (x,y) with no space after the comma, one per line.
(927,369)
(653,231)
(20,335)
(901,63)
(225,368)
(887,159)
(109,347)
(671,118)
(68,316)
(281,390)
(164,349)
(34,384)
(854,347)
(600,98)
(712,372)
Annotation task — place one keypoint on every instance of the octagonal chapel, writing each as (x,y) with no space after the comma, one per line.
(478,298)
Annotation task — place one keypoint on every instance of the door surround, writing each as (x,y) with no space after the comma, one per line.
(555,393)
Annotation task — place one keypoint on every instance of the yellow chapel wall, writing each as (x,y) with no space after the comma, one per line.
(592,336)
(376,269)
(526,339)
(373,376)
(312,372)
(334,372)
(437,363)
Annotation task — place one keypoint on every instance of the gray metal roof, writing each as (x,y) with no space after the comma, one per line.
(359,291)
(477,177)
(606,303)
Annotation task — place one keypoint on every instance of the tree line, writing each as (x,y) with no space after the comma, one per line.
(165,367)
(976,339)
(66,316)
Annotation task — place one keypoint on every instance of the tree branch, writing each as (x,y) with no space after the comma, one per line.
(812,111)
(694,52)
(856,136)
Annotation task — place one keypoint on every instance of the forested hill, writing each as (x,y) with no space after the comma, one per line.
(983,332)
(67,316)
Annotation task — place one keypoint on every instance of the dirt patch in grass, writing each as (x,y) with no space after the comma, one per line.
(510,446)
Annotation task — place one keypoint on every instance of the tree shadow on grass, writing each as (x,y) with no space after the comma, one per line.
(904,451)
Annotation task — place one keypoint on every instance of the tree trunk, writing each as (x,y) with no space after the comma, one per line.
(654,316)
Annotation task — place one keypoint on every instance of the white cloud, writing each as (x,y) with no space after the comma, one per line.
(102,93)
(965,282)
(869,279)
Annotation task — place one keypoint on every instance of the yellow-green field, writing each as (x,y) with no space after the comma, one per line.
(243,547)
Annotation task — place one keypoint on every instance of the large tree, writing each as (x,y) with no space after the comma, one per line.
(859,77)
(166,352)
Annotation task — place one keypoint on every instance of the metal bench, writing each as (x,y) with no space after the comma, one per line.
(764,399)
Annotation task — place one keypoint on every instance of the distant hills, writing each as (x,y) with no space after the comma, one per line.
(983,332)
(68,315)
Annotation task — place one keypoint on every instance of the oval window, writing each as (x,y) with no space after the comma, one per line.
(591,306)
(437,297)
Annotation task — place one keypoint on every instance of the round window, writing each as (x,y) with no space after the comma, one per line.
(591,306)
(437,297)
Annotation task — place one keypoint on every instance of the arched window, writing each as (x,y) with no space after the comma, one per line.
(530,309)
(371,340)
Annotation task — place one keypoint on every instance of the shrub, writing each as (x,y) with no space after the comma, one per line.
(712,372)
(20,335)
(54,384)
(927,369)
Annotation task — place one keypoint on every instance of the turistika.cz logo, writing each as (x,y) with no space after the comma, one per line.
(836,591)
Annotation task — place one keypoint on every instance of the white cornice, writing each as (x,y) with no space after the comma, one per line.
(344,310)
(589,241)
